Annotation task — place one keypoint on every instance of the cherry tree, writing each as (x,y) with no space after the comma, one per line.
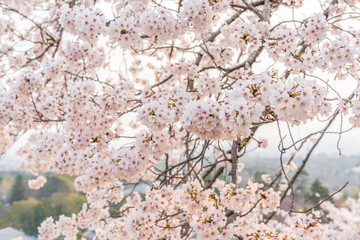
(171,94)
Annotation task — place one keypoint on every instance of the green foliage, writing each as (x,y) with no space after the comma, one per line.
(18,191)
(21,215)
(56,198)
(351,192)
(28,214)
(66,204)
(317,192)
(53,185)
(42,210)
(257,177)
(4,220)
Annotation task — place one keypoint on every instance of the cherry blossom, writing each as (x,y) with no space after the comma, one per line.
(170,95)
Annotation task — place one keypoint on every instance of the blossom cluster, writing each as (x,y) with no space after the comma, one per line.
(204,211)
(246,36)
(314,30)
(37,183)
(128,93)
(345,220)
(80,20)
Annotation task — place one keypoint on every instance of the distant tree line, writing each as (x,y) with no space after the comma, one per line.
(28,208)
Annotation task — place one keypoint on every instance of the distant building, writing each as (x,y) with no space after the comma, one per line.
(10,233)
